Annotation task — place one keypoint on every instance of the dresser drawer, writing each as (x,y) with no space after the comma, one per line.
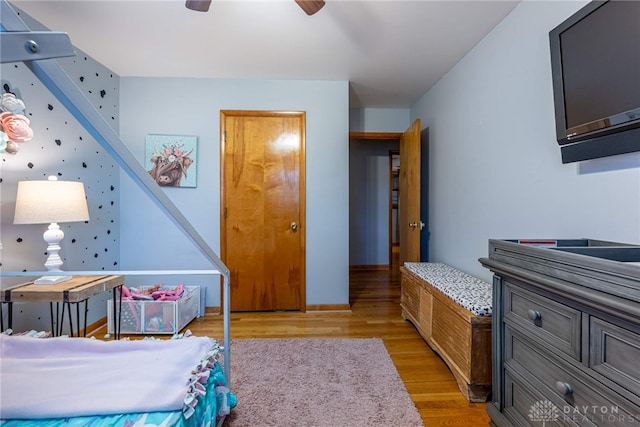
(526,406)
(577,395)
(549,321)
(615,353)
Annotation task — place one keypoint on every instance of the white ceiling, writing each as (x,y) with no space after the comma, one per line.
(390,51)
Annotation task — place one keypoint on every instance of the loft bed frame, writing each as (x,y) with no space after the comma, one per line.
(37,50)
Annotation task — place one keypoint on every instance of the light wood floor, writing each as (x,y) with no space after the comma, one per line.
(375,303)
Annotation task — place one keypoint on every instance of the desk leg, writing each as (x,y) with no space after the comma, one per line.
(86,312)
(60,319)
(78,317)
(71,321)
(1,318)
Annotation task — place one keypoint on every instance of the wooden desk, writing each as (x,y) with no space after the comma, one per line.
(74,291)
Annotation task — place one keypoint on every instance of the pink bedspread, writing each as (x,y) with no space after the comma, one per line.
(67,377)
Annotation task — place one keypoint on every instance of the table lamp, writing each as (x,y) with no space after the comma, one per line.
(51,202)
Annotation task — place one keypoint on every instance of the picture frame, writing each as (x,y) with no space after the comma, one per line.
(171,160)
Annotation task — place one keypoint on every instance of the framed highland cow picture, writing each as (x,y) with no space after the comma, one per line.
(171,160)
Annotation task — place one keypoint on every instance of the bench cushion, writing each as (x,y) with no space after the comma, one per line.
(466,290)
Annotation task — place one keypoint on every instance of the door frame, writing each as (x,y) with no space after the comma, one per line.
(301,183)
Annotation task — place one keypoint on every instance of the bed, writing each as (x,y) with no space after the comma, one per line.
(81,381)
(64,381)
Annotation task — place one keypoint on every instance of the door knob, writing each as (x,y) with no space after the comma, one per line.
(294,226)
(418,224)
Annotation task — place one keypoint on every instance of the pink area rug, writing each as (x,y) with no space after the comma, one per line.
(299,382)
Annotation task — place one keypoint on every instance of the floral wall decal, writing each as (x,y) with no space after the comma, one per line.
(14,125)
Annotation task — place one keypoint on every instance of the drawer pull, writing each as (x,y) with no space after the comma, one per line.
(534,315)
(563,388)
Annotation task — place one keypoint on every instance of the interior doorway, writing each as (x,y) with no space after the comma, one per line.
(370,245)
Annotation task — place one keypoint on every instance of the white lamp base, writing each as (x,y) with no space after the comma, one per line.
(51,280)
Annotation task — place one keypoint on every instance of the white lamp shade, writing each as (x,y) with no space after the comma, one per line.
(43,202)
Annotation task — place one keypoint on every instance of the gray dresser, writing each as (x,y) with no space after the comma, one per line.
(565,333)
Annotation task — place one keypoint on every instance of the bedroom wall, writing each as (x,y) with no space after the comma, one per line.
(63,148)
(185,106)
(496,170)
(379,119)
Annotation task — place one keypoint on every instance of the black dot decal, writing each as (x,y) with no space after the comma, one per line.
(73,240)
(50,107)
(113,188)
(102,93)
(84,165)
(81,78)
(58,142)
(19,240)
(30,165)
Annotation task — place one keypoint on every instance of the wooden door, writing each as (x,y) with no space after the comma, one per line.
(263,208)
(409,208)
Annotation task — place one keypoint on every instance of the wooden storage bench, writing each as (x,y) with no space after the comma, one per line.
(452,312)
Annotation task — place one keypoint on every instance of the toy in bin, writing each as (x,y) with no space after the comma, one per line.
(156,316)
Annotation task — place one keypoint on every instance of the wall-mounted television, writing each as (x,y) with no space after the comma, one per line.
(595,61)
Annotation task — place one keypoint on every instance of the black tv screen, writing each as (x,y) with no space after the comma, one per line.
(595,59)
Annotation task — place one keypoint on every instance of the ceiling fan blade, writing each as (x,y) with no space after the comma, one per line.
(310,6)
(198,5)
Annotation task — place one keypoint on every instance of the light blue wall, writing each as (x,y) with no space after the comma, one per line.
(61,147)
(192,107)
(495,166)
(379,119)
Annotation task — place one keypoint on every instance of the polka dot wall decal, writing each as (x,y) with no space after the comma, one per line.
(50,107)
(73,240)
(58,142)
(30,165)
(102,93)
(84,165)
(19,240)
